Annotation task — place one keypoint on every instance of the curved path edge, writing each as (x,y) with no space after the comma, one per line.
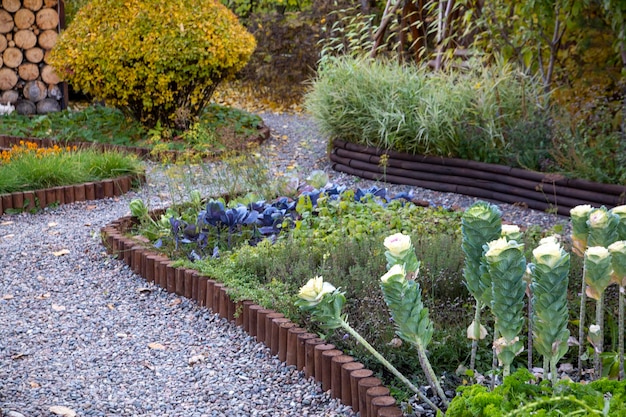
(346,379)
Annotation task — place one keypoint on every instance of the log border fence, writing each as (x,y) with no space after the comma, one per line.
(498,183)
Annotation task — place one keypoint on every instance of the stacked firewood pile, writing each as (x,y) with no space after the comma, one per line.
(28,30)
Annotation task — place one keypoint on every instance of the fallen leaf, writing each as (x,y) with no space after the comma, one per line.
(5,223)
(121,335)
(8,236)
(52,224)
(60,410)
(176,302)
(111,306)
(144,290)
(91,207)
(43,296)
(33,384)
(148,365)
(7,297)
(61,252)
(156,346)
(57,307)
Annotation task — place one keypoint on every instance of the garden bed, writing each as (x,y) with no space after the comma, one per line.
(346,379)
(535,190)
(143,152)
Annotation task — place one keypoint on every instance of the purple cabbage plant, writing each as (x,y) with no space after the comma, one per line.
(218,227)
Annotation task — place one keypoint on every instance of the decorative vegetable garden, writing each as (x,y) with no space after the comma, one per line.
(325,249)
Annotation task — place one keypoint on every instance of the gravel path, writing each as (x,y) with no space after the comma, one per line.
(79,330)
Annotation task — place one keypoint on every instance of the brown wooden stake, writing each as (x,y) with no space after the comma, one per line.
(346,381)
(199,287)
(283,331)
(179,279)
(363,385)
(371,394)
(209,296)
(301,355)
(245,315)
(390,412)
(17,200)
(261,329)
(252,319)
(309,360)
(170,277)
(319,349)
(224,301)
(217,288)
(355,377)
(188,280)
(268,326)
(381,402)
(275,334)
(335,374)
(292,345)
(327,378)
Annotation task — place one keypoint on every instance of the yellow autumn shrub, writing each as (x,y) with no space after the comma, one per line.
(159,61)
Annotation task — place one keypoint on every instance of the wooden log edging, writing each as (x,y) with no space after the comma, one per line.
(67,194)
(346,379)
(535,190)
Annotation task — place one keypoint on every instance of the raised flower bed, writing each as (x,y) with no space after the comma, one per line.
(22,198)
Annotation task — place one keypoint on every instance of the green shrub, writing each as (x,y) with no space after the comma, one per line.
(479,114)
(159,61)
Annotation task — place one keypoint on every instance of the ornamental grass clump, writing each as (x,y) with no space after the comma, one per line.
(483,113)
(158,61)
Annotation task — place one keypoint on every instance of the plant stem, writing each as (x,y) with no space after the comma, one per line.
(621,331)
(476,336)
(581,327)
(530,333)
(597,362)
(553,372)
(388,365)
(430,374)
